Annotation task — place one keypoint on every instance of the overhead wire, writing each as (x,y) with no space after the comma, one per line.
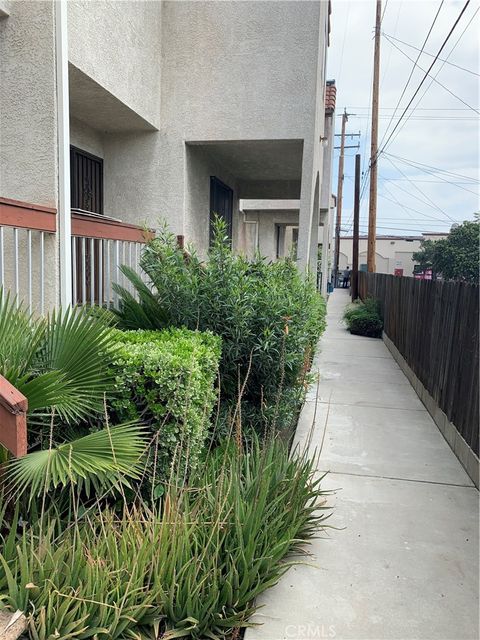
(426,75)
(412,70)
(437,169)
(432,203)
(433,77)
(432,55)
(438,71)
(439,182)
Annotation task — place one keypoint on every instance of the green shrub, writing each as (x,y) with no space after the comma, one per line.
(268,314)
(166,379)
(191,567)
(364,318)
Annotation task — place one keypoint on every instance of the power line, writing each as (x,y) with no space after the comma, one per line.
(419,190)
(365,227)
(404,206)
(438,71)
(390,179)
(418,109)
(428,166)
(343,44)
(416,197)
(412,71)
(433,77)
(426,75)
(387,66)
(474,73)
(364,116)
(454,184)
(440,181)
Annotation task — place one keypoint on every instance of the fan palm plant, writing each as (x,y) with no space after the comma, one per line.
(59,362)
(100,459)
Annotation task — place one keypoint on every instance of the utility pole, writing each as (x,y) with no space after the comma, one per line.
(372,207)
(356,229)
(339,197)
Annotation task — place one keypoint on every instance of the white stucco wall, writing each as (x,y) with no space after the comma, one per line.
(210,92)
(118,44)
(313,154)
(239,70)
(86,138)
(207,91)
(28,164)
(200,166)
(327,169)
(197,71)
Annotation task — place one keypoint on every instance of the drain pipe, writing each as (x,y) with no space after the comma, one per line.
(63,147)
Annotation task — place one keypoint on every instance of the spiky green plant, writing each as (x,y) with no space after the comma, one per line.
(190,567)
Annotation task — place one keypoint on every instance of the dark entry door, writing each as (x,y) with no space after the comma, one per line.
(221,203)
(86,193)
(86,181)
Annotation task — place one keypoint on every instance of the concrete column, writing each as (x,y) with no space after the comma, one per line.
(281,241)
(306,209)
(325,254)
(314,234)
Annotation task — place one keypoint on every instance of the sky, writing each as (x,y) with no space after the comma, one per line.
(442,131)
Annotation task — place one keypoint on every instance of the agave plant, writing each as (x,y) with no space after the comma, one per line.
(59,363)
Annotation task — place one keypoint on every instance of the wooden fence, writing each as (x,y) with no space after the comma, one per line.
(434,325)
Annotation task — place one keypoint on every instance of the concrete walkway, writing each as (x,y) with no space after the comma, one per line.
(404,564)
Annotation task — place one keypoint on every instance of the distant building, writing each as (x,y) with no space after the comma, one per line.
(394,254)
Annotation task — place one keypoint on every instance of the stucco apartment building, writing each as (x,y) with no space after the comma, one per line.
(118,115)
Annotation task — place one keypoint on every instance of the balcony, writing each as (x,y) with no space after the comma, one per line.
(29,245)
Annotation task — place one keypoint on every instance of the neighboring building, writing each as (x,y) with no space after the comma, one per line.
(115,115)
(271,227)
(394,254)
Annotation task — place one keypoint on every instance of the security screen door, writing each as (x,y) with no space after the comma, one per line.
(221,203)
(86,194)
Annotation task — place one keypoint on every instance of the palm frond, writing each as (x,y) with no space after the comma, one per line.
(102,457)
(20,337)
(144,313)
(75,345)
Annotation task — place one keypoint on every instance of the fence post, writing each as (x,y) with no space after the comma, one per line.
(13,418)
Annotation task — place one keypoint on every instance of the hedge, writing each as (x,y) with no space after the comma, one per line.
(167,380)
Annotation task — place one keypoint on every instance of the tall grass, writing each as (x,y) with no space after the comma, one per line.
(190,566)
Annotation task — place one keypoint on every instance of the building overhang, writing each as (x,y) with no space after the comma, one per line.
(93,104)
(261,168)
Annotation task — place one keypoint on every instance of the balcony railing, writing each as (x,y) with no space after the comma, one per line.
(99,246)
(27,250)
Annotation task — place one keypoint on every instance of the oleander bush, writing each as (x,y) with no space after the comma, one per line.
(268,315)
(190,565)
(364,318)
(166,380)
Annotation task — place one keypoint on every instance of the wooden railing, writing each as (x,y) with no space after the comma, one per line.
(27,234)
(13,418)
(99,245)
(434,326)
